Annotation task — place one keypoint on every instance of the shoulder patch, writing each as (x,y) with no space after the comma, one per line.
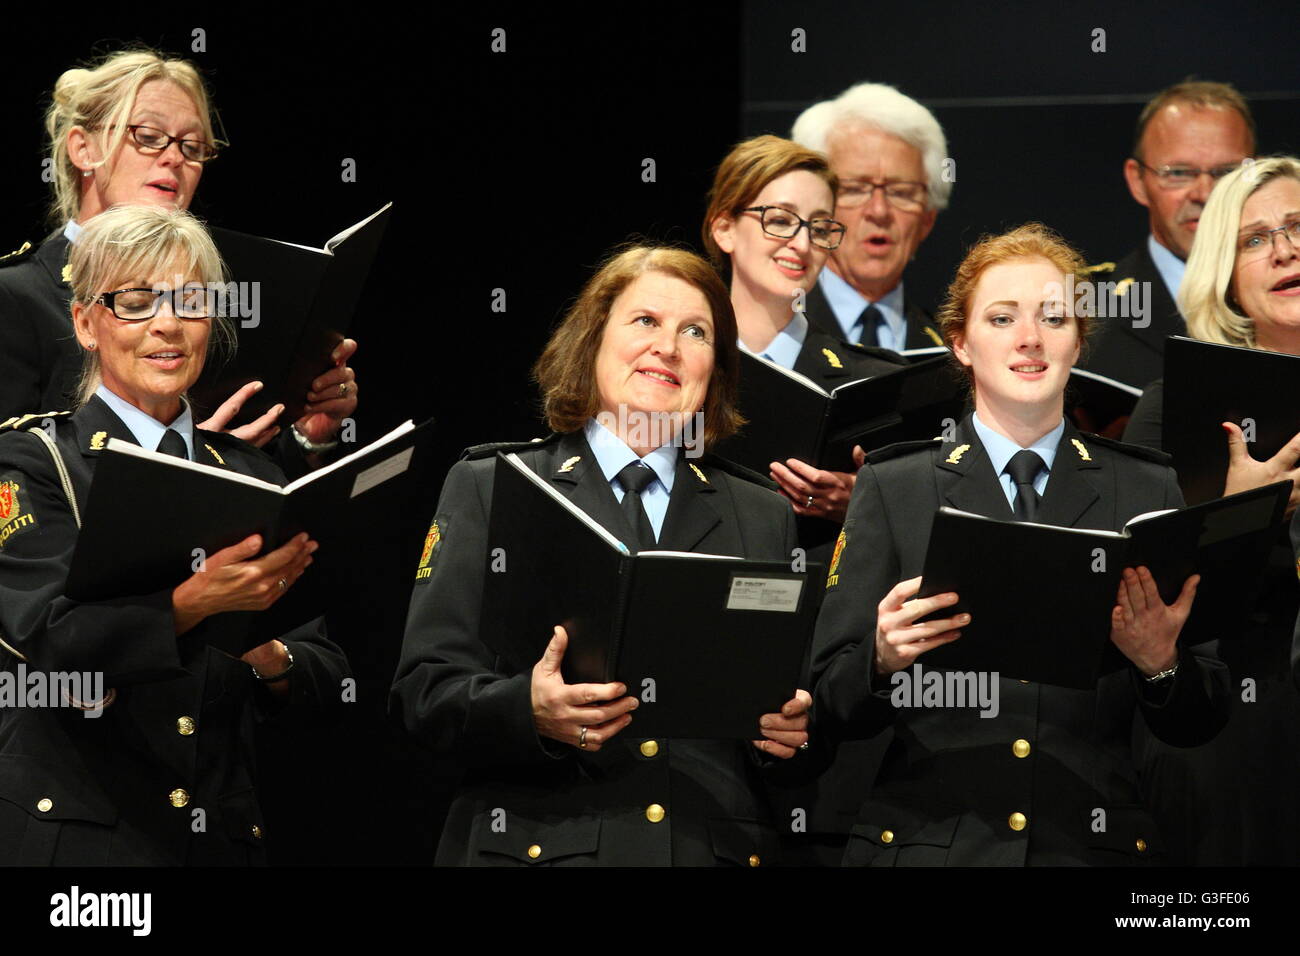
(432,544)
(489,449)
(735,470)
(898,449)
(18,254)
(12,517)
(833,574)
(1134,451)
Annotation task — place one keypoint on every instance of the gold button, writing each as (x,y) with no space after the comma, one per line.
(257,832)
(45,804)
(178,797)
(1141,845)
(754,860)
(185,726)
(886,836)
(649,748)
(654,813)
(1020,748)
(1017,821)
(534,851)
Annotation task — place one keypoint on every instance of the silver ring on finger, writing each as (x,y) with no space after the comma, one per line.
(809,502)
(343,389)
(284,585)
(582,739)
(804,745)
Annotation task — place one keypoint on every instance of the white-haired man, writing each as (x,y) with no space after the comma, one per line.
(888,152)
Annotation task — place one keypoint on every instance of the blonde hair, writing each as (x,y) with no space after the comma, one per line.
(747,170)
(1206,294)
(101,97)
(1033,240)
(132,244)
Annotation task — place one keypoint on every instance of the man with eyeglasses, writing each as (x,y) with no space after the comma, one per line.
(888,152)
(1188,136)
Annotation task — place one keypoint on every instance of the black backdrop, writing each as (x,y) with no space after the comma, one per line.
(516,170)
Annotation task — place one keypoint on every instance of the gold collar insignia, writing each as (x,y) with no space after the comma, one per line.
(832,358)
(568,465)
(699,474)
(97,441)
(955,457)
(1081,449)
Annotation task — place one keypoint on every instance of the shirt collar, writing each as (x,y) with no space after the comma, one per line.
(786,345)
(1170,267)
(1000,448)
(847,302)
(613,455)
(73,230)
(149,431)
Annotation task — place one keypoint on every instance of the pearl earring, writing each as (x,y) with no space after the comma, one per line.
(86,173)
(91,346)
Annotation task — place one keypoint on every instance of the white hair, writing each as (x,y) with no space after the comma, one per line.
(879,106)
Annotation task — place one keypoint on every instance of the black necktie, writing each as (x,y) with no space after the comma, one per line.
(870,318)
(1023,468)
(173,444)
(634,479)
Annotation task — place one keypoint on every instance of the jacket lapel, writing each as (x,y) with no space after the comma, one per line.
(96,424)
(966,478)
(573,470)
(1072,485)
(691,511)
(205,453)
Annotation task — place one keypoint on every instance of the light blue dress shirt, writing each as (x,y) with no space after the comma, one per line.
(1170,267)
(613,456)
(847,303)
(73,230)
(149,431)
(784,349)
(1001,449)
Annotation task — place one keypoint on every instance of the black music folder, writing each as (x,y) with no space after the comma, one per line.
(1207,384)
(290,306)
(708,643)
(1040,596)
(791,416)
(150,518)
(1096,402)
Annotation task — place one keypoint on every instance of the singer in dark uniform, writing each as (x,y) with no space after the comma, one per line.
(133,127)
(556,773)
(1050,779)
(151,762)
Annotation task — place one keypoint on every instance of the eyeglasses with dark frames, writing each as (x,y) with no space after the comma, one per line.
(137,305)
(781,223)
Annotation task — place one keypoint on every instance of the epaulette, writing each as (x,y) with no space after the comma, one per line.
(900,448)
(489,449)
(876,352)
(1128,448)
(736,471)
(1100,267)
(18,255)
(20,423)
